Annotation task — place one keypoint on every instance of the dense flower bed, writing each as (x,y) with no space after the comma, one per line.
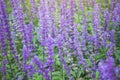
(59,40)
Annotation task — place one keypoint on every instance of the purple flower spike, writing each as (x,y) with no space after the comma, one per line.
(4,69)
(107,69)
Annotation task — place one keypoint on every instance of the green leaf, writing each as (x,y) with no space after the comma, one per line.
(97,75)
(37,77)
(79,28)
(89,62)
(56,75)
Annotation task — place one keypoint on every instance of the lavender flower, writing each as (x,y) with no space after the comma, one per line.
(4,69)
(72,11)
(71,24)
(116,15)
(117,72)
(79,52)
(2,37)
(43,18)
(50,44)
(3,31)
(26,53)
(30,69)
(41,68)
(29,35)
(93,2)
(19,17)
(52,21)
(34,8)
(63,20)
(5,24)
(107,19)
(107,69)
(60,46)
(84,26)
(96,24)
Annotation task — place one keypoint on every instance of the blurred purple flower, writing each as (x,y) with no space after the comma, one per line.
(41,67)
(107,69)
(4,69)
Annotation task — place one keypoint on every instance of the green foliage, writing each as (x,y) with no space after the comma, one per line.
(97,75)
(56,75)
(117,35)
(117,56)
(37,77)
(89,62)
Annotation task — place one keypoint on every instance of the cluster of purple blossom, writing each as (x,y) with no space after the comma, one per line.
(57,27)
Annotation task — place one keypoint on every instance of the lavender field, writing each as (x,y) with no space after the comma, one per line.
(59,39)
